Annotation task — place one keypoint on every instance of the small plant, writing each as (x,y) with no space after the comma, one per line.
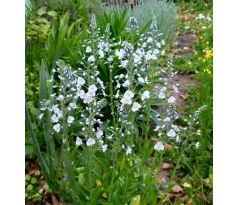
(163,11)
(32,187)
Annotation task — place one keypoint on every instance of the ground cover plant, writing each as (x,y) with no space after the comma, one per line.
(105,120)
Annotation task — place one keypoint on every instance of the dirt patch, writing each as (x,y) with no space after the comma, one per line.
(185,82)
(185,44)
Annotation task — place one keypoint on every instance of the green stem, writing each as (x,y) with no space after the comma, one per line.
(111,97)
(36,145)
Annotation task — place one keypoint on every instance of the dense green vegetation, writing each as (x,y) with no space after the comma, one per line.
(104,121)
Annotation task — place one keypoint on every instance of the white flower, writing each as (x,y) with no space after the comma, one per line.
(128,95)
(128,150)
(101,83)
(110,137)
(135,107)
(140,52)
(78,141)
(60,98)
(103,46)
(80,81)
(146,79)
(141,80)
(57,111)
(100,142)
(54,118)
(171,133)
(159,146)
(162,95)
(197,145)
(70,119)
(124,63)
(126,83)
(91,59)
(145,95)
(175,127)
(120,53)
(137,59)
(118,85)
(133,20)
(104,147)
(110,59)
(158,45)
(81,94)
(56,127)
(87,98)
(200,16)
(101,54)
(144,45)
(172,100)
(178,138)
(72,105)
(40,116)
(88,49)
(126,101)
(92,90)
(157,128)
(150,40)
(153,57)
(148,56)
(117,94)
(99,133)
(90,142)
(156,51)
(121,76)
(167,119)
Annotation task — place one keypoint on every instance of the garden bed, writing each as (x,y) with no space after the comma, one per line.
(124,113)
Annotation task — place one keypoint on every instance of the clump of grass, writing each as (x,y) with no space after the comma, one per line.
(163,11)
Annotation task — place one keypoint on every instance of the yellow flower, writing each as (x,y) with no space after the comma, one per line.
(104,195)
(209,53)
(200,37)
(207,70)
(98,182)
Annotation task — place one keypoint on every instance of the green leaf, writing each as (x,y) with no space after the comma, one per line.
(187,185)
(42,20)
(135,200)
(45,28)
(52,13)
(42,11)
(72,26)
(35,143)
(43,78)
(29,150)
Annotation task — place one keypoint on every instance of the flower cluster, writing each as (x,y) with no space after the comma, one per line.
(115,76)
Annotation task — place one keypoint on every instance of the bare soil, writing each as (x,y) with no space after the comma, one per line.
(185,43)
